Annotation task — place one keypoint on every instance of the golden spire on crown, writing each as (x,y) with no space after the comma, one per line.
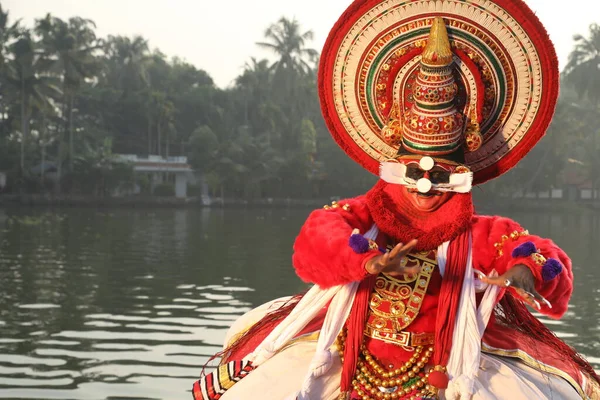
(438,51)
(433,125)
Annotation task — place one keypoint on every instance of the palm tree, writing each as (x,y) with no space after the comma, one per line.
(35,89)
(295,65)
(255,83)
(129,61)
(98,161)
(7,34)
(163,110)
(72,47)
(287,41)
(583,74)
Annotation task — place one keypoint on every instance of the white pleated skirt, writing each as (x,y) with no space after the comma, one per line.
(499,378)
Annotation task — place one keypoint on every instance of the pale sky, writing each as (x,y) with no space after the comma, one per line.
(219,36)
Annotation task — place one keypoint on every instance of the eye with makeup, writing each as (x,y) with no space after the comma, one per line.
(436,175)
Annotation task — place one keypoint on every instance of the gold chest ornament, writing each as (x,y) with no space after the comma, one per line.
(395,302)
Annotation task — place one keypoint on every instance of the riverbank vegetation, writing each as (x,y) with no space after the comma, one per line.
(70,100)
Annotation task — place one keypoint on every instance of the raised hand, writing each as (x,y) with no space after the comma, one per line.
(391,262)
(522,280)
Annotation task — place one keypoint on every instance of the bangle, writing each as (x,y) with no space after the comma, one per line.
(361,244)
(551,267)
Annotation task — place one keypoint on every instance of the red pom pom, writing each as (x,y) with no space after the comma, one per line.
(438,379)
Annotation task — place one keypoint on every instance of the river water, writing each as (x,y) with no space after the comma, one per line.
(129,304)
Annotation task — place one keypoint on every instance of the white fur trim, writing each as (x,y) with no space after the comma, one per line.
(394,172)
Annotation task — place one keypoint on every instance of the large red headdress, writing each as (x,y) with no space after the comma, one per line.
(465,83)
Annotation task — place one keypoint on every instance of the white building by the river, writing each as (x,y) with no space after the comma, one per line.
(175,170)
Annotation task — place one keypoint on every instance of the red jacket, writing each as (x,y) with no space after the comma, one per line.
(323,256)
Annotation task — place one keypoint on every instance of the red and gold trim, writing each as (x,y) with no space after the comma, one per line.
(396,302)
(514,236)
(408,339)
(533,363)
(214,385)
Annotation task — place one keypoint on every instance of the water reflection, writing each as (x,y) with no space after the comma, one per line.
(99,304)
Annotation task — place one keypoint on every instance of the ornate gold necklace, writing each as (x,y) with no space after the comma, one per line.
(373,381)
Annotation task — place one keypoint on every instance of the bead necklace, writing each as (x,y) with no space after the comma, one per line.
(373,381)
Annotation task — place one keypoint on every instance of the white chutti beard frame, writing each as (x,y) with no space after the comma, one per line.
(395,172)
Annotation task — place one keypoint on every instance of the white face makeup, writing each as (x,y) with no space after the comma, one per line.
(396,173)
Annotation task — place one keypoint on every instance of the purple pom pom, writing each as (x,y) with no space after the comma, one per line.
(359,243)
(552,267)
(524,250)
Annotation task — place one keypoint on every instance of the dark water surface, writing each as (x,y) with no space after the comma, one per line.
(128,304)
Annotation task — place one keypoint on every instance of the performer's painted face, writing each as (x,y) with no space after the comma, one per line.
(432,200)
(428,202)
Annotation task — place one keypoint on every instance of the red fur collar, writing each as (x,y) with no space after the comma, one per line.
(395,216)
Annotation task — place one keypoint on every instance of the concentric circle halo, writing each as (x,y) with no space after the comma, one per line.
(505,67)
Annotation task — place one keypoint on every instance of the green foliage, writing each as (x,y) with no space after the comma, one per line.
(202,149)
(98,172)
(582,71)
(308,138)
(583,76)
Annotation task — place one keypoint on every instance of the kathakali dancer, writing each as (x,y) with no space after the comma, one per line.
(416,296)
